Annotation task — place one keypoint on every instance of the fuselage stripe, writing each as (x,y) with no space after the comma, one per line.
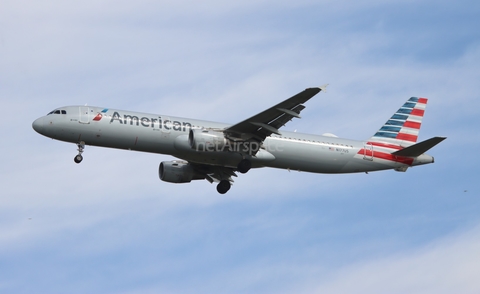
(385,145)
(386,156)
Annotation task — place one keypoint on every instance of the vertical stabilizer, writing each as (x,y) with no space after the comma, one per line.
(403,127)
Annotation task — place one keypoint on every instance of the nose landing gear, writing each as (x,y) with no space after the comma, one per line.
(78,158)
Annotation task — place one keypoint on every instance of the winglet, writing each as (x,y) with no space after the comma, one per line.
(324,88)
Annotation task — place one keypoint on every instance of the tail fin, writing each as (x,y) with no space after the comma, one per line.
(403,127)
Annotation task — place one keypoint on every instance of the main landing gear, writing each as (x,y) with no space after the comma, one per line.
(244,166)
(223,186)
(78,158)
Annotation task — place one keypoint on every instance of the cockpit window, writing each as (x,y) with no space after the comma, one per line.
(57,111)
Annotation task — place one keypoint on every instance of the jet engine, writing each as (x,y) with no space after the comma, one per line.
(178,172)
(205,140)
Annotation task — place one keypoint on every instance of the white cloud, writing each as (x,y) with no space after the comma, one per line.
(449,265)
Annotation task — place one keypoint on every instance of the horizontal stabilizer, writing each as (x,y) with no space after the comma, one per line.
(419,148)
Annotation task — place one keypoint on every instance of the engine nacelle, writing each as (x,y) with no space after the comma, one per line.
(178,172)
(205,140)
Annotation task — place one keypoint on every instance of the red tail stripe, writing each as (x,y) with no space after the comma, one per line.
(412,125)
(407,137)
(422,100)
(417,112)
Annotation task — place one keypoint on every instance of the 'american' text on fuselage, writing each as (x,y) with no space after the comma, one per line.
(151,122)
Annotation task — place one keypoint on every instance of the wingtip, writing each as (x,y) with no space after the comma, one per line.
(323,88)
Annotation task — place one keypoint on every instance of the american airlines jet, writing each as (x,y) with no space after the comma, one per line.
(216,151)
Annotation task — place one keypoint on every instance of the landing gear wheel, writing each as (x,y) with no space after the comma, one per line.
(223,186)
(78,158)
(244,166)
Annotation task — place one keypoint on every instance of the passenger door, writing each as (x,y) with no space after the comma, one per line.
(84,117)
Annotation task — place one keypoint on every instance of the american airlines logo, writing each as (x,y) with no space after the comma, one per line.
(99,116)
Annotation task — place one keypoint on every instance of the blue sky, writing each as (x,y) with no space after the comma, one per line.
(109,225)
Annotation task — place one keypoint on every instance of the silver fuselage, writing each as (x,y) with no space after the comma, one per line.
(169,135)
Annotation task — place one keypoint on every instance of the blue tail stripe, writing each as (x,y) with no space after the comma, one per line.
(404,111)
(386,135)
(391,129)
(392,122)
(400,116)
(413,99)
(409,105)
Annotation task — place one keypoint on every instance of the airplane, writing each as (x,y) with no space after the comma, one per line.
(217,151)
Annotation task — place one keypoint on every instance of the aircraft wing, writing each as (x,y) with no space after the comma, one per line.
(271,120)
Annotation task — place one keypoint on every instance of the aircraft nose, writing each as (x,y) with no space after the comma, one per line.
(37,125)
